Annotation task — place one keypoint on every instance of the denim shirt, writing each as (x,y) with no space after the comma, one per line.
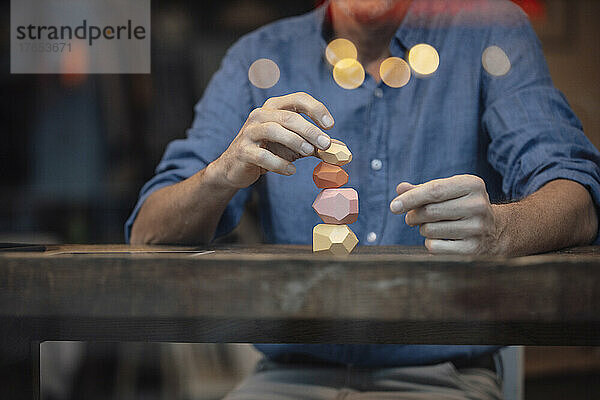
(516,131)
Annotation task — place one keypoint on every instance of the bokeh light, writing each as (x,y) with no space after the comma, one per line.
(348,73)
(339,49)
(263,73)
(495,61)
(394,72)
(424,59)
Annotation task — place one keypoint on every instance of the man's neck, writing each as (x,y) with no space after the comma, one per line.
(372,37)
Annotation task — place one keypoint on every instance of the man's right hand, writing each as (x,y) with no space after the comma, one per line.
(272,138)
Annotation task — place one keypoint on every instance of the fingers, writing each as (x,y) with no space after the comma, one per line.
(450,210)
(295,123)
(453,214)
(404,187)
(274,135)
(302,103)
(461,229)
(265,159)
(273,132)
(273,124)
(466,246)
(436,191)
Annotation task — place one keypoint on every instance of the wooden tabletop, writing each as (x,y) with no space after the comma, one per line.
(287,294)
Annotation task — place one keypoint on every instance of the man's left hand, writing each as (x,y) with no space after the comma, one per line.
(454,214)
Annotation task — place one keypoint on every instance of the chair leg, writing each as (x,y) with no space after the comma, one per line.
(513,379)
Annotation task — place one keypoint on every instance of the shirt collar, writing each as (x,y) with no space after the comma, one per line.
(408,33)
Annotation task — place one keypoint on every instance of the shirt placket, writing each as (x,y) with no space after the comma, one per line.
(375,203)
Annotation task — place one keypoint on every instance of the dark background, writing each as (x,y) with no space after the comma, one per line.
(77,149)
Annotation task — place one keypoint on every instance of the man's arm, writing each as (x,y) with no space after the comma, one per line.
(455,216)
(186,212)
(272,138)
(561,214)
(536,144)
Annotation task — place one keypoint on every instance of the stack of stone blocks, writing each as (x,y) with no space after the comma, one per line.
(337,206)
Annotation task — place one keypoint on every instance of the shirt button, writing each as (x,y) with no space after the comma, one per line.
(378,92)
(371,237)
(376,164)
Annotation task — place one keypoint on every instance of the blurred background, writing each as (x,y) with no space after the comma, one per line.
(76,149)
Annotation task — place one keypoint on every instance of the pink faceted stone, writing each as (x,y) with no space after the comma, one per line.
(337,206)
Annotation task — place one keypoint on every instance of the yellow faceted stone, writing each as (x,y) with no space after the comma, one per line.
(337,240)
(336,154)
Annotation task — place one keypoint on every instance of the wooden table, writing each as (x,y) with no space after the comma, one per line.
(287,294)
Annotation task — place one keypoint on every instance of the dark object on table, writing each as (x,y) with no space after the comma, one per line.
(22,247)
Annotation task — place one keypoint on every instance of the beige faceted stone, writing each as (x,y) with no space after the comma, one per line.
(336,154)
(337,240)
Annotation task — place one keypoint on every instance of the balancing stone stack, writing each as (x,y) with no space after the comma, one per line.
(336,206)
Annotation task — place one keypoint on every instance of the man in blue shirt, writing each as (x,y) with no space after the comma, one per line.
(478,162)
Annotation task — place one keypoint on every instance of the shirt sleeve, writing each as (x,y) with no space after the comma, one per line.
(219,115)
(534,135)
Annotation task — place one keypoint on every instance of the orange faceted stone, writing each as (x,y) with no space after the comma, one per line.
(327,176)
